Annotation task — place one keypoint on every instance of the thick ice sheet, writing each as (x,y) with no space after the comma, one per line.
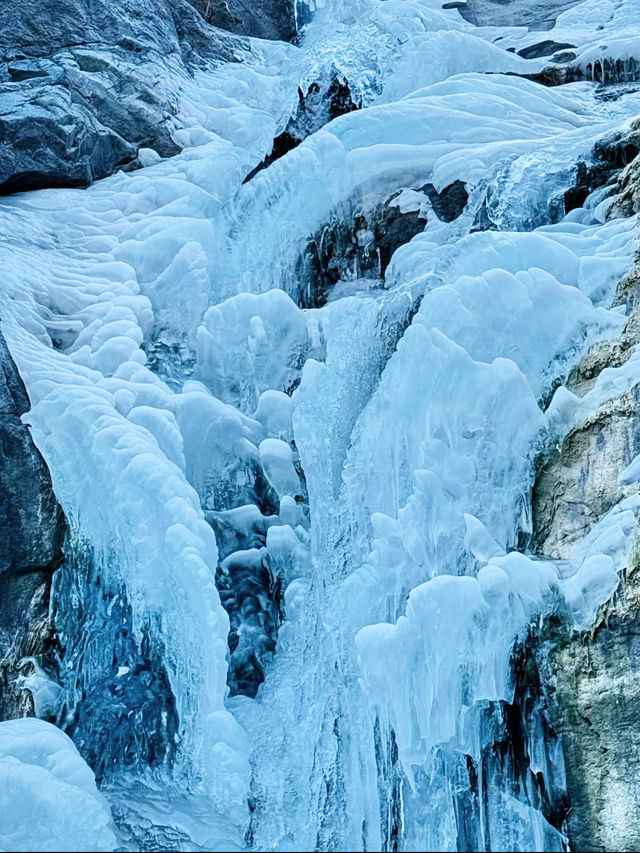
(153,319)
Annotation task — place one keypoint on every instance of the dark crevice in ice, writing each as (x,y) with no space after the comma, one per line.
(251,582)
(322,102)
(358,243)
(116,702)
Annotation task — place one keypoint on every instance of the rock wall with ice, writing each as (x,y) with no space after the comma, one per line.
(32,536)
(90,87)
(590,678)
(293,385)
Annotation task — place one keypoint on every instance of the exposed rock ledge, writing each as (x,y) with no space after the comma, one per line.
(591,681)
(85,84)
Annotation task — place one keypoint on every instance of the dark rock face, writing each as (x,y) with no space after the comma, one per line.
(351,247)
(268,19)
(543,48)
(608,158)
(448,204)
(60,129)
(359,244)
(31,519)
(347,248)
(215,12)
(32,530)
(40,30)
(116,701)
(606,71)
(84,84)
(25,632)
(322,102)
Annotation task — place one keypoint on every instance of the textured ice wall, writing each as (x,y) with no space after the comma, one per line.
(365,466)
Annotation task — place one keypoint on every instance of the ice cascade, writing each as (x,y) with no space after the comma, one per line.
(297,565)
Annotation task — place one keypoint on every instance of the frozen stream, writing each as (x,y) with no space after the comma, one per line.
(347,471)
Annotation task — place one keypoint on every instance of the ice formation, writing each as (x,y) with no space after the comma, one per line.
(48,795)
(313,520)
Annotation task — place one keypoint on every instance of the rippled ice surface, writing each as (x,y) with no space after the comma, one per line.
(352,479)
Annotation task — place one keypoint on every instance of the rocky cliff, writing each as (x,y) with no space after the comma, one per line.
(32,531)
(591,680)
(85,85)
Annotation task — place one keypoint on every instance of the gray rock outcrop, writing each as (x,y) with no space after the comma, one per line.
(535,14)
(32,529)
(592,687)
(84,84)
(268,19)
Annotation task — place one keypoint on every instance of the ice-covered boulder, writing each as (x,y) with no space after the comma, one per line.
(48,794)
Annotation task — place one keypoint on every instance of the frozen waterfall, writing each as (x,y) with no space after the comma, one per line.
(299,506)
